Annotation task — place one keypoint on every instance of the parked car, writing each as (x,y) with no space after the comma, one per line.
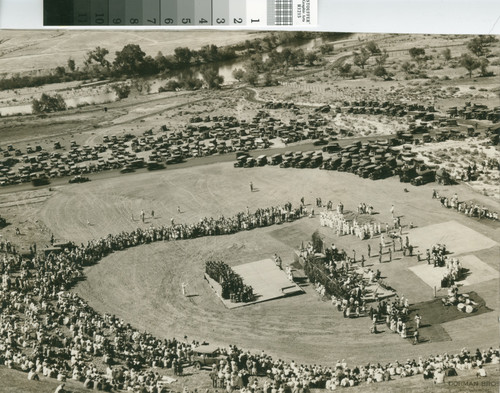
(206,356)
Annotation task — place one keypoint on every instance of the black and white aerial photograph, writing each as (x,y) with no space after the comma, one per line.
(249,212)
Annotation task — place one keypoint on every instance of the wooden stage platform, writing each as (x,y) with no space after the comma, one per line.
(268,281)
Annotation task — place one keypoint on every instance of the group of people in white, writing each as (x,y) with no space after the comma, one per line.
(336,220)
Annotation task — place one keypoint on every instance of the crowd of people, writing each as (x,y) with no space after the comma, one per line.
(237,371)
(343,227)
(45,329)
(454,272)
(470,209)
(231,283)
(437,255)
(335,276)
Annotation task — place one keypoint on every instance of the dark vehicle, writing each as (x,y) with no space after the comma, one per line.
(366,171)
(285,163)
(303,163)
(79,179)
(64,245)
(127,169)
(276,159)
(326,164)
(419,181)
(332,147)
(261,160)
(240,154)
(154,166)
(381,172)
(320,142)
(139,163)
(175,159)
(206,356)
(40,181)
(316,161)
(346,162)
(241,158)
(250,163)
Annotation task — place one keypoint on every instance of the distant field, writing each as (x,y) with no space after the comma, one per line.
(22,51)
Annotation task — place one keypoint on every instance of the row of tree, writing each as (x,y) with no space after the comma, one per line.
(131,61)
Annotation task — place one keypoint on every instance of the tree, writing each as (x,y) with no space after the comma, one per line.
(251,77)
(345,70)
(47,104)
(183,56)
(71,65)
(360,59)
(97,56)
(255,64)
(408,68)
(381,58)
(189,81)
(211,77)
(269,80)
(209,53)
(162,63)
(380,72)
(298,56)
(238,74)
(326,49)
(469,63)
(122,90)
(417,54)
(446,54)
(130,60)
(372,47)
(311,57)
(477,46)
(277,59)
(171,85)
(60,71)
(483,65)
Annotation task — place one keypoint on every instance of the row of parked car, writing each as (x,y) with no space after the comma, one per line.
(475,111)
(371,159)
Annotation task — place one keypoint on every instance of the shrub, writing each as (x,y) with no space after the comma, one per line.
(47,104)
(122,90)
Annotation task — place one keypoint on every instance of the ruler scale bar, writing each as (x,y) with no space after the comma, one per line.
(116,12)
(133,13)
(173,13)
(220,12)
(169,12)
(151,12)
(237,13)
(185,10)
